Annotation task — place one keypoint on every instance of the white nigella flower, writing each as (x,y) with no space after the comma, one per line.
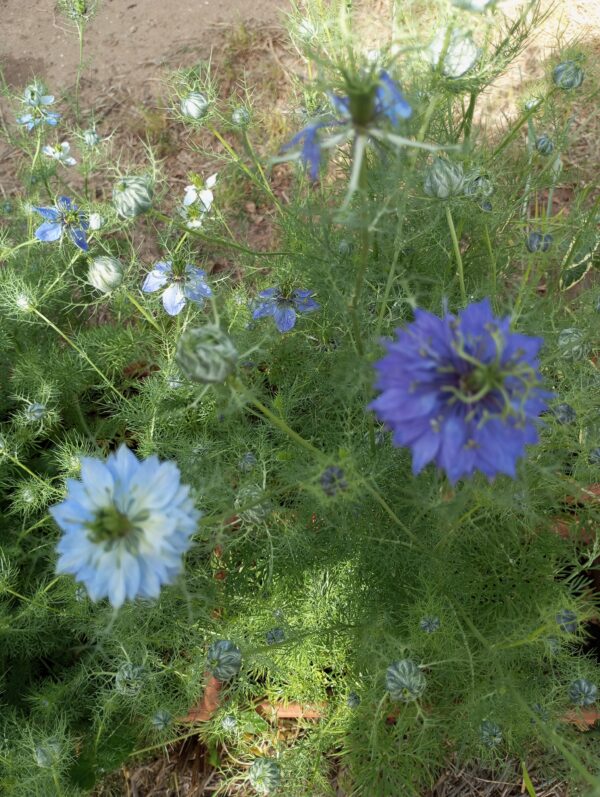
(60,153)
(197,202)
(126,525)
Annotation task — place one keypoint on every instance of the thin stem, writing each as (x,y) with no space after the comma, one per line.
(143,311)
(459,263)
(468,120)
(365,243)
(79,69)
(23,467)
(81,353)
(488,243)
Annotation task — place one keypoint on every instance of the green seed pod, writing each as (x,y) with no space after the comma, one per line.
(105,273)
(224,660)
(264,775)
(583,692)
(490,733)
(206,354)
(194,106)
(544,145)
(478,186)
(132,196)
(404,681)
(240,117)
(568,75)
(444,179)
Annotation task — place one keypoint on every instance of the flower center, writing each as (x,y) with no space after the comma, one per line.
(70,218)
(110,524)
(481,381)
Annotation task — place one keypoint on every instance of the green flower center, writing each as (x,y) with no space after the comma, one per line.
(110,524)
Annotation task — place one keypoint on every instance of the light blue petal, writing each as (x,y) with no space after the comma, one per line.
(49,231)
(157,278)
(285,318)
(264,309)
(173,299)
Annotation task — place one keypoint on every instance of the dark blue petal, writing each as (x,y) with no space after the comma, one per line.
(78,237)
(264,309)
(285,317)
(51,214)
(392,103)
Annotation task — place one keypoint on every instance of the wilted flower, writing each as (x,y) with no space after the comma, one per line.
(206,354)
(264,775)
(60,153)
(126,526)
(105,273)
(283,307)
(333,480)
(568,75)
(462,391)
(60,219)
(539,242)
(405,681)
(457,51)
(35,411)
(583,692)
(567,621)
(429,624)
(490,733)
(189,286)
(194,106)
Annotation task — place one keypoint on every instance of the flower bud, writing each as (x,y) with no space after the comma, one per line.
(35,411)
(538,242)
(132,196)
(404,681)
(583,692)
(194,106)
(264,775)
(90,137)
(544,145)
(206,354)
(240,117)
(95,221)
(490,733)
(568,75)
(444,179)
(458,50)
(478,186)
(105,273)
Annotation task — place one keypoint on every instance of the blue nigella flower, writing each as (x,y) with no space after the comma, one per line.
(126,525)
(361,114)
(284,307)
(191,285)
(37,102)
(60,219)
(462,391)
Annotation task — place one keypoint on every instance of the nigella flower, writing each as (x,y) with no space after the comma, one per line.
(284,306)
(462,391)
(197,202)
(64,217)
(60,153)
(372,105)
(191,285)
(125,526)
(35,99)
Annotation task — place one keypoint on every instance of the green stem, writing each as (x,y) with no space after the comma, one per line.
(143,311)
(23,467)
(365,243)
(488,243)
(468,120)
(81,353)
(79,69)
(459,263)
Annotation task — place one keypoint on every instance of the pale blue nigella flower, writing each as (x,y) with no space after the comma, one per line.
(37,102)
(63,217)
(126,525)
(191,285)
(283,307)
